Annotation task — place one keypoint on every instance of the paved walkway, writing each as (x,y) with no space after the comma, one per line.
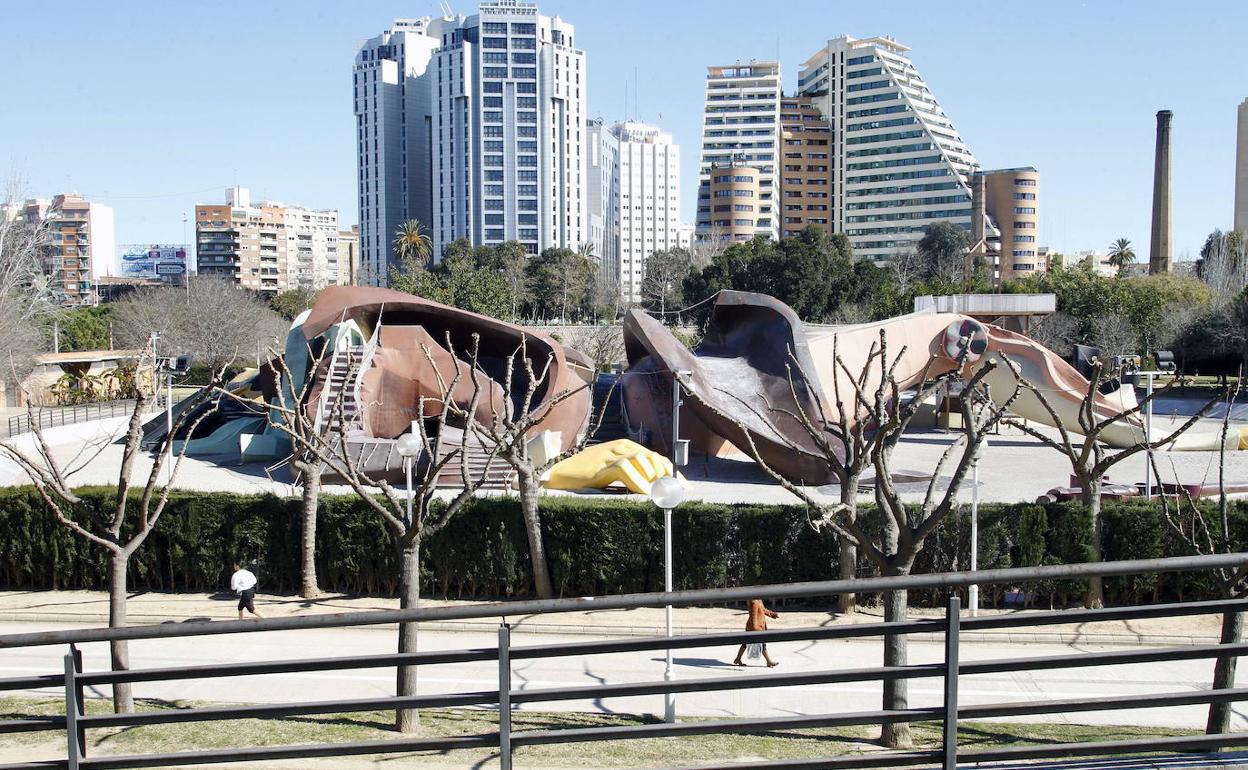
(150,608)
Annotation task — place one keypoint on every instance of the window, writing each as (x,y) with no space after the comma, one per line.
(524,72)
(494,235)
(494,28)
(1024,239)
(524,58)
(492,87)
(526,131)
(494,57)
(493,189)
(492,205)
(867,86)
(526,146)
(1025,225)
(493,117)
(527,219)
(529,234)
(527,189)
(528,117)
(527,161)
(494,72)
(526,176)
(494,219)
(494,42)
(494,161)
(526,88)
(859,60)
(526,102)
(494,145)
(493,176)
(492,131)
(527,43)
(1024,183)
(526,205)
(1024,209)
(1024,196)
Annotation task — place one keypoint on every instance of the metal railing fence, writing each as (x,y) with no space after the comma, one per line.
(505,739)
(57,416)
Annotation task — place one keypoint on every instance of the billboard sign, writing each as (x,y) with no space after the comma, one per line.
(161,261)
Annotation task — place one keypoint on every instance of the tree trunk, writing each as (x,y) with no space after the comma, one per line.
(896,691)
(1224,674)
(1095,598)
(308,585)
(847,602)
(119,651)
(408,719)
(527,485)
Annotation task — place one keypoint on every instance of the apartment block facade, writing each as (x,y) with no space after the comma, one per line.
(393,106)
(735,191)
(267,247)
(81,245)
(1012,205)
(508,130)
(741,127)
(897,164)
(634,200)
(805,176)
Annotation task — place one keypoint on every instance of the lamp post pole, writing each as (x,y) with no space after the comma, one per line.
(1148,438)
(972,592)
(667,493)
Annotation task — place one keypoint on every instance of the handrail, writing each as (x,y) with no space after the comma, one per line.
(504,739)
(633,601)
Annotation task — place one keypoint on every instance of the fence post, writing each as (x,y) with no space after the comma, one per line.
(504,697)
(75,735)
(952,624)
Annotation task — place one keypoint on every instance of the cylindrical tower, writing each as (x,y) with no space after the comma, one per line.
(734,202)
(1159,249)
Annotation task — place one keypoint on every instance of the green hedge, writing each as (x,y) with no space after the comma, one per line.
(596,546)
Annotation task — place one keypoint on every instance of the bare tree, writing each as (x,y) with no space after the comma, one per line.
(333,450)
(302,429)
(706,246)
(603,343)
(119,529)
(1090,460)
(1056,331)
(1114,334)
(26,297)
(1191,524)
(662,286)
(215,323)
(510,430)
(867,432)
(1223,264)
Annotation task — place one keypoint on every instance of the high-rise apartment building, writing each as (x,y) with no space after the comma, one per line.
(267,247)
(509,134)
(741,127)
(897,164)
(634,192)
(1012,205)
(805,177)
(393,115)
(81,245)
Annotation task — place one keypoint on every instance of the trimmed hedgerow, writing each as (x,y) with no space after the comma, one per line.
(595,546)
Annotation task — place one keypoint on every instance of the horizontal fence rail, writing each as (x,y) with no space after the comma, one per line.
(72,680)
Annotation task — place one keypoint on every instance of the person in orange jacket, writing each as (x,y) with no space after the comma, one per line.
(757,621)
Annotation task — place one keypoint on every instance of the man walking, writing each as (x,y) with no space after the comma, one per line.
(757,621)
(243,583)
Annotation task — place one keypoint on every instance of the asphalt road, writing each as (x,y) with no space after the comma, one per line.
(632,667)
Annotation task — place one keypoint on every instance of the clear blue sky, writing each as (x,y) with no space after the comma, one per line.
(153,106)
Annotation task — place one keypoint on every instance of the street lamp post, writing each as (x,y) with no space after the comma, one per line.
(667,493)
(973,590)
(1148,436)
(680,455)
(409,446)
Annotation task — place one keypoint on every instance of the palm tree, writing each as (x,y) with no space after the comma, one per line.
(1121,254)
(411,243)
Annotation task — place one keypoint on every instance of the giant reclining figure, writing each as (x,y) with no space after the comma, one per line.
(370,357)
(758,367)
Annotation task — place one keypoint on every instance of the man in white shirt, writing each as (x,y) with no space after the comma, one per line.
(243,583)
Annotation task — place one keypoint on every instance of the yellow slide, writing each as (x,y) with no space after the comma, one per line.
(622,461)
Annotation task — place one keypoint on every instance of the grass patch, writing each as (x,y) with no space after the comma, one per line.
(376,726)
